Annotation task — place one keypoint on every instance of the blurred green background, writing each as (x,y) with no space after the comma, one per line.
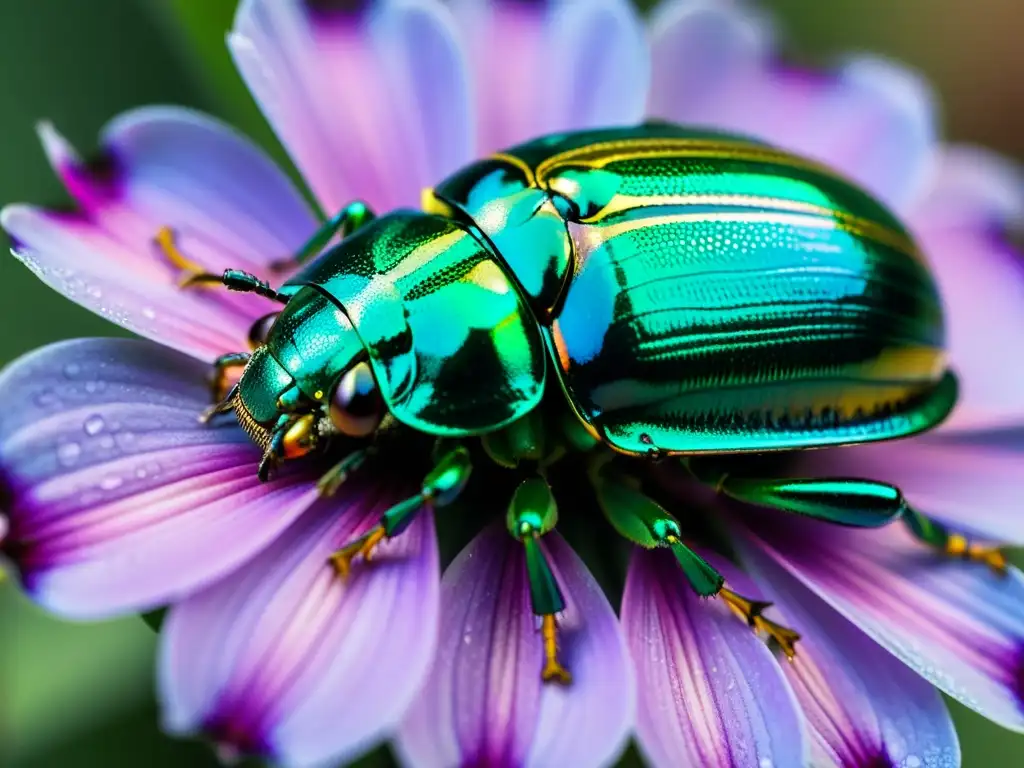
(82,695)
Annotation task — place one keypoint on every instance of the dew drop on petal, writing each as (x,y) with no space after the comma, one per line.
(110,482)
(93,425)
(71,370)
(149,313)
(68,453)
(47,399)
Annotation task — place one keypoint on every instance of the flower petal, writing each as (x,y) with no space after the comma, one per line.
(370,98)
(957,624)
(971,187)
(228,205)
(118,499)
(485,703)
(553,65)
(285,659)
(873,121)
(974,487)
(863,707)
(711,691)
(703,51)
(981,281)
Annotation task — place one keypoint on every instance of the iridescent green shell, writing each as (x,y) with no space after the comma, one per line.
(453,347)
(707,293)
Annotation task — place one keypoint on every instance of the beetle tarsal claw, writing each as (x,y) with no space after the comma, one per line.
(553,671)
(363,546)
(751,612)
(993,557)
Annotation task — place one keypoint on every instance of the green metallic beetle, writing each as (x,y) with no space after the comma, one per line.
(671,292)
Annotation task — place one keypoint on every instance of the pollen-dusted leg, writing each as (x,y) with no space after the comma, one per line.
(936,535)
(642,521)
(532,513)
(440,487)
(349,219)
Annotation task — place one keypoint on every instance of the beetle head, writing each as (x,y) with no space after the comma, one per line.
(287,422)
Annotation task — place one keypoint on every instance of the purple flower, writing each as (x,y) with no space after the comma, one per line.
(117,500)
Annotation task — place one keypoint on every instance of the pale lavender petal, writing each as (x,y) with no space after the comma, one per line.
(370,98)
(872,120)
(864,708)
(974,487)
(553,65)
(229,206)
(704,52)
(484,702)
(286,660)
(971,186)
(711,693)
(957,624)
(68,253)
(981,281)
(118,499)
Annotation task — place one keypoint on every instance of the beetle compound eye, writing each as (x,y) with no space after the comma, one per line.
(356,406)
(261,329)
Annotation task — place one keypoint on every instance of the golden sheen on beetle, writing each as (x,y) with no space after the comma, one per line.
(613,297)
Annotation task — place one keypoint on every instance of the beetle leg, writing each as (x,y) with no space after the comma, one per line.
(333,478)
(644,522)
(440,487)
(751,611)
(936,535)
(532,513)
(221,366)
(844,501)
(350,218)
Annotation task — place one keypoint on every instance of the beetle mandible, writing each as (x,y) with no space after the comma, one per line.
(644,292)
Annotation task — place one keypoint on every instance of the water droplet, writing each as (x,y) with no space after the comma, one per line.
(72,369)
(141,473)
(149,313)
(47,399)
(95,292)
(912,761)
(68,453)
(93,425)
(110,482)
(107,442)
(766,762)
(90,387)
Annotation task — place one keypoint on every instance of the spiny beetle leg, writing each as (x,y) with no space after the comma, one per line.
(349,219)
(939,537)
(532,513)
(440,487)
(645,523)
